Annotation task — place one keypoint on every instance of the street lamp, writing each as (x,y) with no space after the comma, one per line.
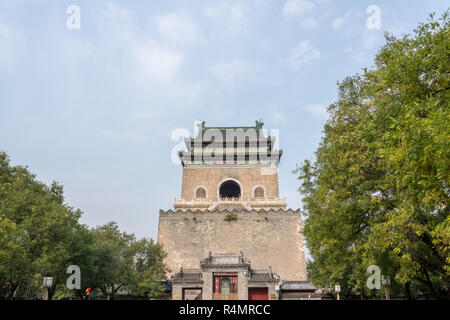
(47,283)
(108,292)
(386,281)
(337,288)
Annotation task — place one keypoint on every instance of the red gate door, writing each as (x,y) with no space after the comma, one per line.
(258,294)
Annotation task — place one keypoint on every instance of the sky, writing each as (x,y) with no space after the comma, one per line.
(91,91)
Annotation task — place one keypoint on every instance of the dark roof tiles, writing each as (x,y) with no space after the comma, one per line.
(187,276)
(297,285)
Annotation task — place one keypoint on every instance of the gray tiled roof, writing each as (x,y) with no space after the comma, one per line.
(187,276)
(297,285)
(225,260)
(261,276)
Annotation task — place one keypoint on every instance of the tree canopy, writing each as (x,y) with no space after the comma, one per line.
(377,192)
(40,235)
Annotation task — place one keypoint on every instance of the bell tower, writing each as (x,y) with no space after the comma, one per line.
(230,166)
(230,204)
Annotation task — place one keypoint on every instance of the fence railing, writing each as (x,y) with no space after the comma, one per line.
(225,296)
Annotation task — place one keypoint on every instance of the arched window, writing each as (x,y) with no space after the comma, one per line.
(200,192)
(230,189)
(259,193)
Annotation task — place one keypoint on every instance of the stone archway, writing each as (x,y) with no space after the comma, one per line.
(229,189)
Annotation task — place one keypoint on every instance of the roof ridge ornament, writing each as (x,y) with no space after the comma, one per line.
(259,124)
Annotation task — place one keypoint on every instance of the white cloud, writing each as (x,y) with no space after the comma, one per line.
(293,8)
(178,28)
(160,63)
(117,13)
(303,54)
(278,117)
(338,22)
(162,89)
(309,23)
(318,110)
(155,59)
(231,16)
(366,48)
(234,70)
(121,30)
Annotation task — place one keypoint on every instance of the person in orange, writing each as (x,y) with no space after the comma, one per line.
(88,292)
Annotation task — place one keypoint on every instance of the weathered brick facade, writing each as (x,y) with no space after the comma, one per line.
(272,238)
(211,178)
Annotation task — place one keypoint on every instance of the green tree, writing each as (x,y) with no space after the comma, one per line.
(13,264)
(40,235)
(124,263)
(40,232)
(114,258)
(149,269)
(378,190)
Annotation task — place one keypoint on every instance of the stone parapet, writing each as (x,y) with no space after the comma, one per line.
(210,204)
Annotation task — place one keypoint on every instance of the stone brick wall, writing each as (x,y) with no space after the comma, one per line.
(266,238)
(177,289)
(211,177)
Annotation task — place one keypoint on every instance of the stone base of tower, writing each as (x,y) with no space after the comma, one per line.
(270,238)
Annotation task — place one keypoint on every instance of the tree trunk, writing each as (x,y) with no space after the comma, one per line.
(12,289)
(408,290)
(51,292)
(434,293)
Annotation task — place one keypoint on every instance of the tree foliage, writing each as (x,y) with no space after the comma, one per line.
(127,264)
(378,190)
(40,235)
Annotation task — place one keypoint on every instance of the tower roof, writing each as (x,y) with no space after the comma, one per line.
(258,125)
(244,144)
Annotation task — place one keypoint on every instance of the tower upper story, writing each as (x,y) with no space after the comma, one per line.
(226,167)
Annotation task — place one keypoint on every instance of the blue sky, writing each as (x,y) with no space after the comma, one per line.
(94,108)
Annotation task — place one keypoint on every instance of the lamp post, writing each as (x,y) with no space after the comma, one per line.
(386,281)
(47,284)
(108,292)
(337,288)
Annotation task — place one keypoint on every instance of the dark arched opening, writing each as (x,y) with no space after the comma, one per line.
(230,189)
(200,193)
(259,193)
